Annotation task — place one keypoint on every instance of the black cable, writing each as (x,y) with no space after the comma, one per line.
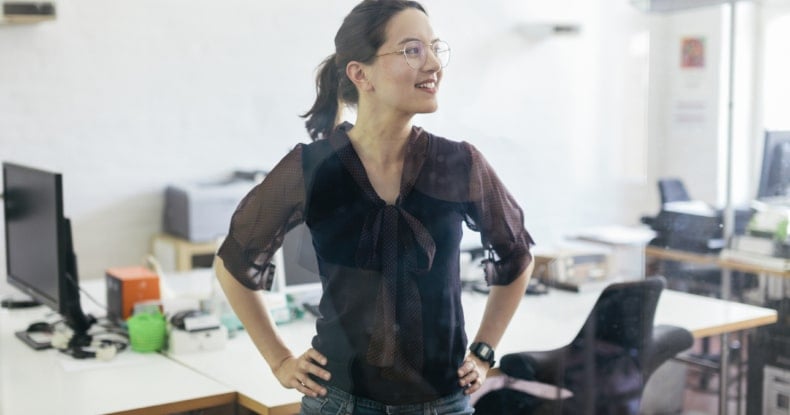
(75,283)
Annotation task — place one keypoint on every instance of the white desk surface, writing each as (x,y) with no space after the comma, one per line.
(49,382)
(541,323)
(36,382)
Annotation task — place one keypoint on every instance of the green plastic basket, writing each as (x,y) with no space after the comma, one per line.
(147,332)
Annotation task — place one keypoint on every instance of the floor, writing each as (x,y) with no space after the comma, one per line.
(702,392)
(706,401)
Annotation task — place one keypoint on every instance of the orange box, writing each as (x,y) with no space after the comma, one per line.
(127,286)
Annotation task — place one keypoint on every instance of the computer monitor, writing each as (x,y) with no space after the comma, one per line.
(775,172)
(297,267)
(40,259)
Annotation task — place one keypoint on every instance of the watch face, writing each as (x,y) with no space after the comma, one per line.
(484,350)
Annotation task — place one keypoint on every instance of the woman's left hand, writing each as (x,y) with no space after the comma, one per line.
(472,374)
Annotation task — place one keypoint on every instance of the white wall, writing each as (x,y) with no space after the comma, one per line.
(125,97)
(776,65)
(688,127)
(690,106)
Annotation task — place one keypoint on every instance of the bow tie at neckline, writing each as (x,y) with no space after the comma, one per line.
(392,238)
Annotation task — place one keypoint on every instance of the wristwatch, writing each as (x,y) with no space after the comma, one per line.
(484,352)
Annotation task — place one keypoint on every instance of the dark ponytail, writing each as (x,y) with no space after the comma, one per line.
(358,39)
(323,114)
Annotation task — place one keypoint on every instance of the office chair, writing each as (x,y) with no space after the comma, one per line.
(607,364)
(672,190)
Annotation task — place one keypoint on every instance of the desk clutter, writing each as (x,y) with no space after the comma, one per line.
(195,331)
(147,331)
(127,286)
(187,312)
(141,319)
(157,324)
(103,342)
(765,241)
(573,270)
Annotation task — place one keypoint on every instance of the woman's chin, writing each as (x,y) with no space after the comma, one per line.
(428,109)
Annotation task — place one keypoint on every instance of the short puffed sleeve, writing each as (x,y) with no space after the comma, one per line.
(261,220)
(494,212)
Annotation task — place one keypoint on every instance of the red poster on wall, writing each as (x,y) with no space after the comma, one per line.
(692,52)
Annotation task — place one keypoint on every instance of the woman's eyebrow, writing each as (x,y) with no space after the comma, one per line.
(409,39)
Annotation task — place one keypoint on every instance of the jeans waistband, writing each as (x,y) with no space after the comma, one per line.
(392,409)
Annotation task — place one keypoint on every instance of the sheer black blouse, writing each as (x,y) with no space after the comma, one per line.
(392,323)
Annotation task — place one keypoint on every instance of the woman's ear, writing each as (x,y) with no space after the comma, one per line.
(357,73)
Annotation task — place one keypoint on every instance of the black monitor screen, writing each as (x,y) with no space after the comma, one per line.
(33,209)
(300,267)
(775,172)
(40,258)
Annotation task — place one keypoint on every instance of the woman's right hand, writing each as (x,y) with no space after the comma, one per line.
(293,372)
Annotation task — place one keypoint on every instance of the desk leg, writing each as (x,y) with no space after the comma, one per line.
(723,373)
(726,277)
(739,362)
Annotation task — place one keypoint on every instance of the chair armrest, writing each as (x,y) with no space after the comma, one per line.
(543,366)
(668,341)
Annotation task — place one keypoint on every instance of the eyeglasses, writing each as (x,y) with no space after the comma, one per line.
(414,52)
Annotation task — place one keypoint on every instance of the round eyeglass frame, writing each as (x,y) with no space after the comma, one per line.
(433,47)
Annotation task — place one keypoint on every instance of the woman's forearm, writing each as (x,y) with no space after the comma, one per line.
(503,300)
(251,310)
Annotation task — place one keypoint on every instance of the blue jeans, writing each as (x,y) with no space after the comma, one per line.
(337,402)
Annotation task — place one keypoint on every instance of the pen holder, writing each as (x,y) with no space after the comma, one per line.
(147,332)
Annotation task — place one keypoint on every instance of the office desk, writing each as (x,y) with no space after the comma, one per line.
(726,265)
(710,259)
(540,323)
(240,366)
(38,382)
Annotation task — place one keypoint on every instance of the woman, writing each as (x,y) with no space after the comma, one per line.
(385,203)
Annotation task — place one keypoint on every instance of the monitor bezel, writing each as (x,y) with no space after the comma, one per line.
(299,242)
(19,282)
(772,140)
(68,300)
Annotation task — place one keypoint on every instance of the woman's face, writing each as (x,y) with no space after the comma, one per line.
(395,84)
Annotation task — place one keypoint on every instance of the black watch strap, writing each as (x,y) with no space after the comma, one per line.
(484,352)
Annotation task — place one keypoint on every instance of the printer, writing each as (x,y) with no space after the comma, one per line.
(201,212)
(694,226)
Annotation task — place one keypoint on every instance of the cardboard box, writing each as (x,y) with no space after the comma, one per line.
(127,286)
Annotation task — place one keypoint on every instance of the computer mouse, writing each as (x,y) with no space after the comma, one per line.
(39,327)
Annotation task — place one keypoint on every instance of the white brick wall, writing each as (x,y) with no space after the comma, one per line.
(124,97)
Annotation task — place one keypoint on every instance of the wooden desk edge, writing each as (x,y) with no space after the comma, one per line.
(257,407)
(676,255)
(735,327)
(750,268)
(184,406)
(710,259)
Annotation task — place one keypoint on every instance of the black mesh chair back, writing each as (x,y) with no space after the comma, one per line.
(672,190)
(607,363)
(624,314)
